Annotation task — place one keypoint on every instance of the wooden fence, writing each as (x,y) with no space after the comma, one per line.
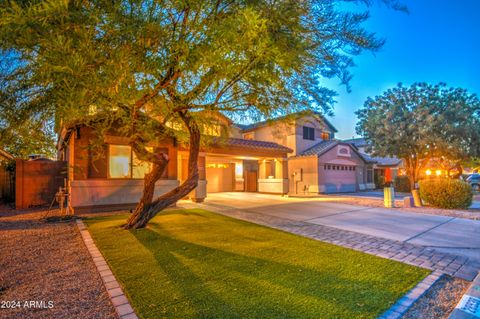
(37,182)
(7,184)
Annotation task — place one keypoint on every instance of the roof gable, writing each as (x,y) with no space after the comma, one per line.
(254,126)
(324,146)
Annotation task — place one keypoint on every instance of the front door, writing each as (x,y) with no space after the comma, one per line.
(250,181)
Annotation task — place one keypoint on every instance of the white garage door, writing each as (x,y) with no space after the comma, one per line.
(220,178)
(339,178)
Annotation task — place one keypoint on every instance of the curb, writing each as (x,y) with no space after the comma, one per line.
(469,305)
(404,303)
(117,297)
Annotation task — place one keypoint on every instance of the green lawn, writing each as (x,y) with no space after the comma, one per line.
(197,264)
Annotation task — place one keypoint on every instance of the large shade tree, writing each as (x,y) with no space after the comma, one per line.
(140,65)
(422,123)
(19,135)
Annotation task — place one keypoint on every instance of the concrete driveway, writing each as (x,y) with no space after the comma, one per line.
(447,234)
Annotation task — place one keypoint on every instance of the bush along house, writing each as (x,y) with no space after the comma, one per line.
(297,156)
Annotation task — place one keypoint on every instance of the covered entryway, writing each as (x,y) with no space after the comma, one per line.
(231,174)
(238,165)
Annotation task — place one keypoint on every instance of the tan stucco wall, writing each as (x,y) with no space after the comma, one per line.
(281,133)
(291,134)
(306,174)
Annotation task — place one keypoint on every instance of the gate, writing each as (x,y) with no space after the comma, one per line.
(7,182)
(37,182)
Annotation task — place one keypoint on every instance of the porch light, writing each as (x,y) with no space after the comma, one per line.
(428,172)
(438,172)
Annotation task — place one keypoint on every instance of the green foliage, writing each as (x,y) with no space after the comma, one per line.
(379,181)
(197,264)
(402,184)
(422,122)
(28,138)
(446,193)
(247,59)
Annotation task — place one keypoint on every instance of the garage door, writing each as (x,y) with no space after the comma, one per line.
(339,178)
(220,177)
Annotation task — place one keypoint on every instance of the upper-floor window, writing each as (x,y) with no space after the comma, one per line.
(212,130)
(248,136)
(308,133)
(325,136)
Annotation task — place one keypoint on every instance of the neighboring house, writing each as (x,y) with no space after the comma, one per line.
(5,156)
(388,167)
(7,186)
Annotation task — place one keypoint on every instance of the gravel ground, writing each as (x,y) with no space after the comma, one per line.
(440,300)
(47,262)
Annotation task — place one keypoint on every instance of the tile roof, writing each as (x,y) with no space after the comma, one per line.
(358,142)
(387,161)
(319,148)
(381,161)
(324,146)
(252,144)
(248,127)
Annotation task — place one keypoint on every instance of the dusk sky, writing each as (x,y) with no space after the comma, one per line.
(439,40)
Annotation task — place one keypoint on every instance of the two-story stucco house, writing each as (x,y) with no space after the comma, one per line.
(319,163)
(279,157)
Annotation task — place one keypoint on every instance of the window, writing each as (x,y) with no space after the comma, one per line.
(325,136)
(123,163)
(212,130)
(248,136)
(308,133)
(119,161)
(369,175)
(270,169)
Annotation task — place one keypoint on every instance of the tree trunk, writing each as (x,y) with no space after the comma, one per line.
(140,218)
(410,173)
(149,187)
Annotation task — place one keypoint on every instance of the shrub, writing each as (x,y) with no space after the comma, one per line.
(446,193)
(379,181)
(402,184)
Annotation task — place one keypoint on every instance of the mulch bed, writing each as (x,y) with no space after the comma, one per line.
(440,300)
(47,262)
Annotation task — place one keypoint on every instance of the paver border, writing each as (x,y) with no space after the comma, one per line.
(472,293)
(403,304)
(120,302)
